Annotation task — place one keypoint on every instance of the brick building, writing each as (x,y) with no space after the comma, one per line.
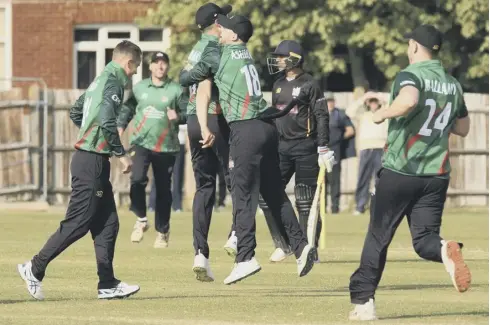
(68,42)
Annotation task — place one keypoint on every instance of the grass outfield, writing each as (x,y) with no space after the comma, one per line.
(412,291)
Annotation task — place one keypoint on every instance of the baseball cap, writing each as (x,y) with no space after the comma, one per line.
(287,48)
(329,96)
(160,56)
(428,36)
(207,14)
(240,25)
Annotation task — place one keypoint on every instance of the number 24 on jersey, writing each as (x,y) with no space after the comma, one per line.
(441,121)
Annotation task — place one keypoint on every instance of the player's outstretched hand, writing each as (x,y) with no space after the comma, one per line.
(171,114)
(326,158)
(207,138)
(127,164)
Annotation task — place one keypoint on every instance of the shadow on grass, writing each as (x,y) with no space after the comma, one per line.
(424,286)
(468,313)
(408,260)
(11,301)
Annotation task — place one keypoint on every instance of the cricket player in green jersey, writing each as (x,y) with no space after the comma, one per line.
(154,106)
(92,207)
(254,159)
(202,63)
(426,106)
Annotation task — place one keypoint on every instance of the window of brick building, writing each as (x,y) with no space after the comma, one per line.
(94,44)
(5,44)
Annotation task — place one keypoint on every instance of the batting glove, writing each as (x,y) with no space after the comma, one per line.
(326,158)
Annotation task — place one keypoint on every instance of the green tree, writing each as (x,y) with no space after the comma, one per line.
(370,31)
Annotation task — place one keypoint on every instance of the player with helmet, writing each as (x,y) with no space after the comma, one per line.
(304,137)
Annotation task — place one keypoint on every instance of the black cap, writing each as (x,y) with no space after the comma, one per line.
(428,36)
(160,56)
(289,48)
(240,25)
(207,14)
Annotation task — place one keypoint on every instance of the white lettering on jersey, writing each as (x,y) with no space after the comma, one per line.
(438,87)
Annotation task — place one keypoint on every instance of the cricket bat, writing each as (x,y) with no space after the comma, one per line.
(314,211)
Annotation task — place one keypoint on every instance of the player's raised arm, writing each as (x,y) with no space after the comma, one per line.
(76,111)
(107,118)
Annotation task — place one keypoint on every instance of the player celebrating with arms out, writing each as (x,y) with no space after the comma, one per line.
(303,137)
(154,104)
(427,105)
(254,163)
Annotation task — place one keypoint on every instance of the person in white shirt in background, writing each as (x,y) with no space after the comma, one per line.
(371,141)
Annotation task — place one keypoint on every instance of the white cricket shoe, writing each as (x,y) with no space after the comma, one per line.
(279,255)
(201,268)
(455,265)
(231,245)
(306,260)
(33,284)
(138,230)
(365,312)
(243,270)
(122,290)
(162,240)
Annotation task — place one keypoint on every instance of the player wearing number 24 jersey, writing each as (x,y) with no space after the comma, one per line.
(418,144)
(426,105)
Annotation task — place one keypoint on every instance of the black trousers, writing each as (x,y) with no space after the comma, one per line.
(254,169)
(422,200)
(369,165)
(206,163)
(298,157)
(221,188)
(91,208)
(162,164)
(333,181)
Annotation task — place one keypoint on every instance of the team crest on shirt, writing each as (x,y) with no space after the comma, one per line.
(164,99)
(296,91)
(278,90)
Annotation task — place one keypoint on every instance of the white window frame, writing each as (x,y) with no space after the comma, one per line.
(104,42)
(7,42)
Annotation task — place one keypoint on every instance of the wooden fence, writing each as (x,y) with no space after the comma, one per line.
(469,156)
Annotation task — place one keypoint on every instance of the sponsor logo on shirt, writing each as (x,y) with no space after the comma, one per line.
(296,91)
(116,99)
(151,112)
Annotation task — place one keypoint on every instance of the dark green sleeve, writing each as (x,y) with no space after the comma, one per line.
(463,110)
(111,99)
(205,68)
(183,101)
(76,111)
(403,79)
(127,112)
